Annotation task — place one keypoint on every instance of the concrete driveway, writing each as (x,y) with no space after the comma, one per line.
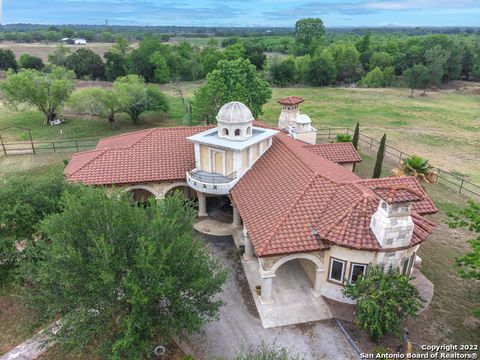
(239,326)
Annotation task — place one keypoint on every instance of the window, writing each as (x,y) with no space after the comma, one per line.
(225,131)
(356,271)
(249,131)
(337,269)
(237,132)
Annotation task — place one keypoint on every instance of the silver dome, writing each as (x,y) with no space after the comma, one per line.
(234,112)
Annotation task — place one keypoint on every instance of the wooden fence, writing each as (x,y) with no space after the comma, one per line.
(45,147)
(455,182)
(459,184)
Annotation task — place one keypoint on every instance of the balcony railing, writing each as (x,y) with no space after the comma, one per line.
(212,178)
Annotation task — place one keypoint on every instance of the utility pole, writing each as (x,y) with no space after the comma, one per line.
(1,13)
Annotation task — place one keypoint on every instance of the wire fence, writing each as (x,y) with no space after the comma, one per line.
(45,147)
(455,182)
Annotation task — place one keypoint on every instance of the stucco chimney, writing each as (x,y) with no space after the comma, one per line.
(392,223)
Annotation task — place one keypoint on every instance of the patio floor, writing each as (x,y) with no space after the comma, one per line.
(293,301)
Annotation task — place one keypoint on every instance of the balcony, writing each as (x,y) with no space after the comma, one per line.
(211,183)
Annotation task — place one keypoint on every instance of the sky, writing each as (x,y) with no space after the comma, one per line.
(284,13)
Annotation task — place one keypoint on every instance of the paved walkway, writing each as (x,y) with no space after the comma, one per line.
(214,227)
(33,347)
(239,326)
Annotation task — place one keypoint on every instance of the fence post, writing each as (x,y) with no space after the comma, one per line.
(371,143)
(76,144)
(53,145)
(31,142)
(3,145)
(461,187)
(400,157)
(329,131)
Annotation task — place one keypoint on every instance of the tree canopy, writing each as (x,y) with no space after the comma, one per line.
(307,30)
(234,80)
(469,264)
(384,300)
(25,200)
(123,278)
(47,92)
(135,97)
(86,64)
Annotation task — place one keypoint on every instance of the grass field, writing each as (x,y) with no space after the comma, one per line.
(443,126)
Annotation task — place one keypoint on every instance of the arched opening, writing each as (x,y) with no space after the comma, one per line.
(225,132)
(237,132)
(293,276)
(249,130)
(141,195)
(188,192)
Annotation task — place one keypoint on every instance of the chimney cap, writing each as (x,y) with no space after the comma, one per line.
(398,194)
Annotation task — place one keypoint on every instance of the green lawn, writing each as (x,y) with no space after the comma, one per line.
(443,126)
(77,127)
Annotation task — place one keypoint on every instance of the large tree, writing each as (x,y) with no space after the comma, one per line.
(103,103)
(86,64)
(123,278)
(234,80)
(384,300)
(47,92)
(322,70)
(135,97)
(7,60)
(25,200)
(417,77)
(307,30)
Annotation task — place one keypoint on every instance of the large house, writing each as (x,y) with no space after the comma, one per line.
(293,199)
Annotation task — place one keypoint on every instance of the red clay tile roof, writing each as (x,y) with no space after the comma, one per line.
(138,157)
(397,194)
(293,200)
(291,101)
(339,153)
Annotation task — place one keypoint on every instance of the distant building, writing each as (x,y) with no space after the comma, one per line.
(74,41)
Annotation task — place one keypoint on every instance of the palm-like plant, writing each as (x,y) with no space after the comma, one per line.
(417,166)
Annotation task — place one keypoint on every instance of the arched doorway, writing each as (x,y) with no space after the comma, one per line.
(295,275)
(183,188)
(141,194)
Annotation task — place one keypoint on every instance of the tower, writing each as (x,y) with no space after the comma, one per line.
(303,130)
(290,111)
(235,121)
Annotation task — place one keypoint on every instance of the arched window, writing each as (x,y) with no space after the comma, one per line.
(225,132)
(237,132)
(249,131)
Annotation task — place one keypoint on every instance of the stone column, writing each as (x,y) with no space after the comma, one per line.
(249,253)
(236,217)
(316,290)
(186,192)
(266,293)
(202,205)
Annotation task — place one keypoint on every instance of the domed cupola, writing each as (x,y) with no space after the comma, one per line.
(303,122)
(235,121)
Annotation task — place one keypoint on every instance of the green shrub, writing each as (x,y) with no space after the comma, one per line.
(343,138)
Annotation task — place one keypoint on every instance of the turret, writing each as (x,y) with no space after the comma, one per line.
(290,111)
(303,130)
